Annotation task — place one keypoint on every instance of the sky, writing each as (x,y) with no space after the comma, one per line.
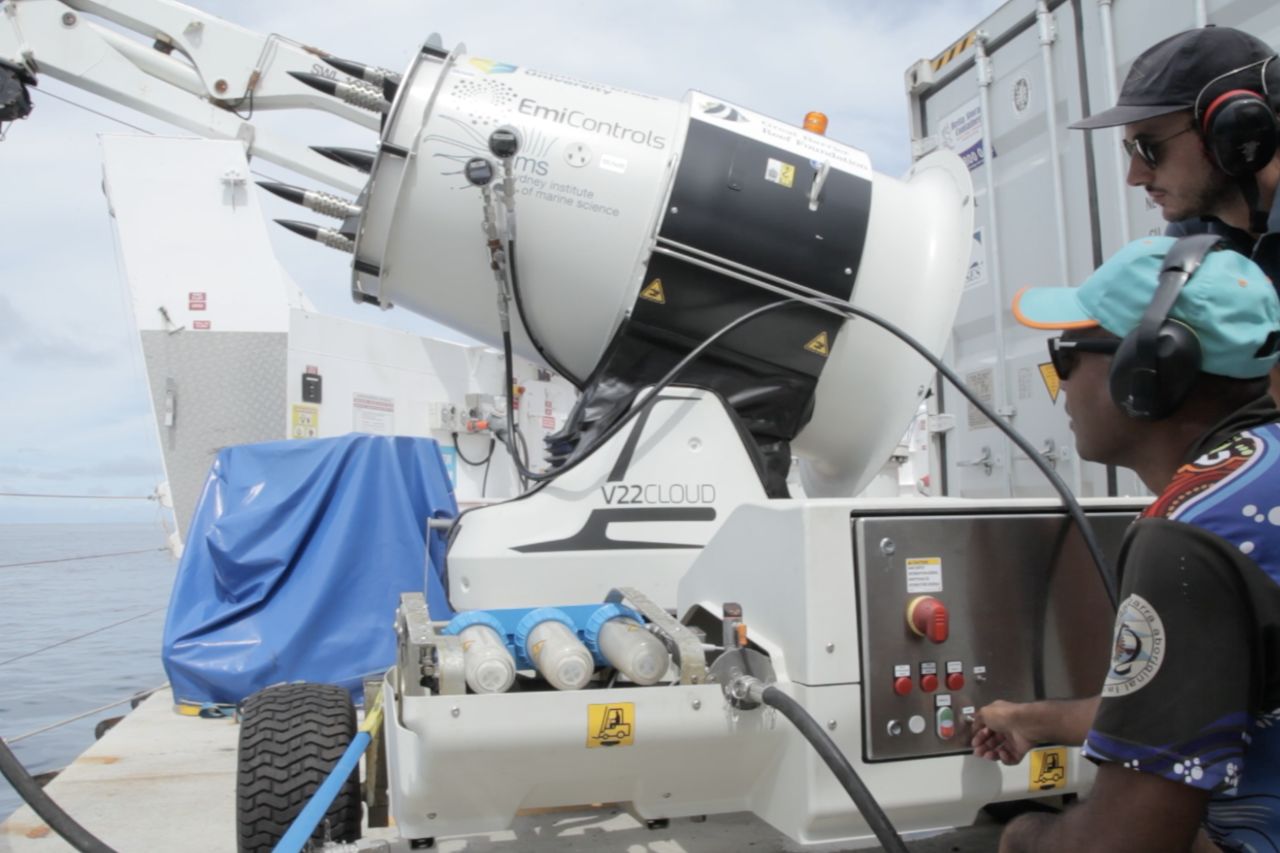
(75,417)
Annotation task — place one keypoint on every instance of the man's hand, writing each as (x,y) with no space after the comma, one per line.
(997,737)
(1004,731)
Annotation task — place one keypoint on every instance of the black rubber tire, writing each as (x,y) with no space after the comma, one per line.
(291,737)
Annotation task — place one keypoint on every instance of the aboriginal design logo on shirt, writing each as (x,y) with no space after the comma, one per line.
(1138,650)
(1206,473)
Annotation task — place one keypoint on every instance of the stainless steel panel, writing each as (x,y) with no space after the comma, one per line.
(211,390)
(1028,615)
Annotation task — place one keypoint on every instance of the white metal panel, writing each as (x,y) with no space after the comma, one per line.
(189,225)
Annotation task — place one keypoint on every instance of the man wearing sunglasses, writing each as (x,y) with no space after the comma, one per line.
(1186,731)
(1200,129)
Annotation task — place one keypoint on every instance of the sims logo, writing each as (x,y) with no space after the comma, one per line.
(489,66)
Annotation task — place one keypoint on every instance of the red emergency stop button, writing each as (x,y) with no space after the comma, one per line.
(955,680)
(927,617)
(902,685)
(929,683)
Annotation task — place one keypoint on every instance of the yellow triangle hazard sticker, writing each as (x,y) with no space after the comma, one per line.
(654,292)
(1051,381)
(819,345)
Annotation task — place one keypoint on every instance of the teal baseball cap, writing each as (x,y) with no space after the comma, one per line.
(1228,302)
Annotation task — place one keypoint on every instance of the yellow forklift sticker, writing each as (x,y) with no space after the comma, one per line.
(778,172)
(819,345)
(1048,768)
(304,421)
(611,725)
(1051,380)
(654,292)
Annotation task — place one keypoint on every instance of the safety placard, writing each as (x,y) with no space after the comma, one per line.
(373,414)
(924,574)
(778,172)
(1052,382)
(1048,768)
(820,345)
(304,421)
(613,724)
(654,292)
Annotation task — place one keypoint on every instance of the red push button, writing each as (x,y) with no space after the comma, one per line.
(928,683)
(955,681)
(902,685)
(927,617)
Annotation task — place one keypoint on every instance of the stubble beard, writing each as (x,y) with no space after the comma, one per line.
(1216,197)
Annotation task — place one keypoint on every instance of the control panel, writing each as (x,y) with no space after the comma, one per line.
(960,610)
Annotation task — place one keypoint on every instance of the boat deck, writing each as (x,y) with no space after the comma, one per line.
(160,781)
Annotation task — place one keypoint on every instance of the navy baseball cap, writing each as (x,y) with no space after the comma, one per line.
(1170,75)
(1228,302)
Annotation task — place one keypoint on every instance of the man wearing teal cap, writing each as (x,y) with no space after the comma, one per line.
(1164,354)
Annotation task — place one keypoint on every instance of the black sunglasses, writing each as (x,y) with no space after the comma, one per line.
(1149,149)
(1065,353)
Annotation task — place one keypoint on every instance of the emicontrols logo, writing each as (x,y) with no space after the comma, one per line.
(490,66)
(1138,650)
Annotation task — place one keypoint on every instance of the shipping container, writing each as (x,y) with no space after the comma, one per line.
(1051,205)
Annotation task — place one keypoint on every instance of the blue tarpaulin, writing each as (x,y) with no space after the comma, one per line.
(295,561)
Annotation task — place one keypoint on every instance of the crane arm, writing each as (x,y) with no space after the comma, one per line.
(177,64)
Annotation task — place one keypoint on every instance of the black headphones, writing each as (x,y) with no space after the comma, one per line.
(1157,363)
(1239,126)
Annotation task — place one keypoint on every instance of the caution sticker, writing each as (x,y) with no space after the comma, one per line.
(924,574)
(654,292)
(1051,381)
(1048,768)
(613,724)
(819,345)
(304,421)
(778,172)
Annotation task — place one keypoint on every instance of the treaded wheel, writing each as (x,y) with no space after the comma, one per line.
(291,737)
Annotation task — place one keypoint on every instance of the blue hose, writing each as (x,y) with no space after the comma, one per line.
(307,820)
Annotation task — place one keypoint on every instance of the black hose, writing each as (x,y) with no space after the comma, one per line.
(510,438)
(840,766)
(44,806)
(474,463)
(655,390)
(1064,491)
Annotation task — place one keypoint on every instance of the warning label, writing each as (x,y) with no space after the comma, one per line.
(819,345)
(611,725)
(1052,383)
(654,292)
(982,384)
(304,422)
(778,172)
(1048,768)
(924,574)
(373,414)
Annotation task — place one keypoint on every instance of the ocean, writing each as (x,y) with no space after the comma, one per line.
(77,633)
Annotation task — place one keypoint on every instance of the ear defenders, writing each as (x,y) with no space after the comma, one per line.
(1239,126)
(1157,363)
